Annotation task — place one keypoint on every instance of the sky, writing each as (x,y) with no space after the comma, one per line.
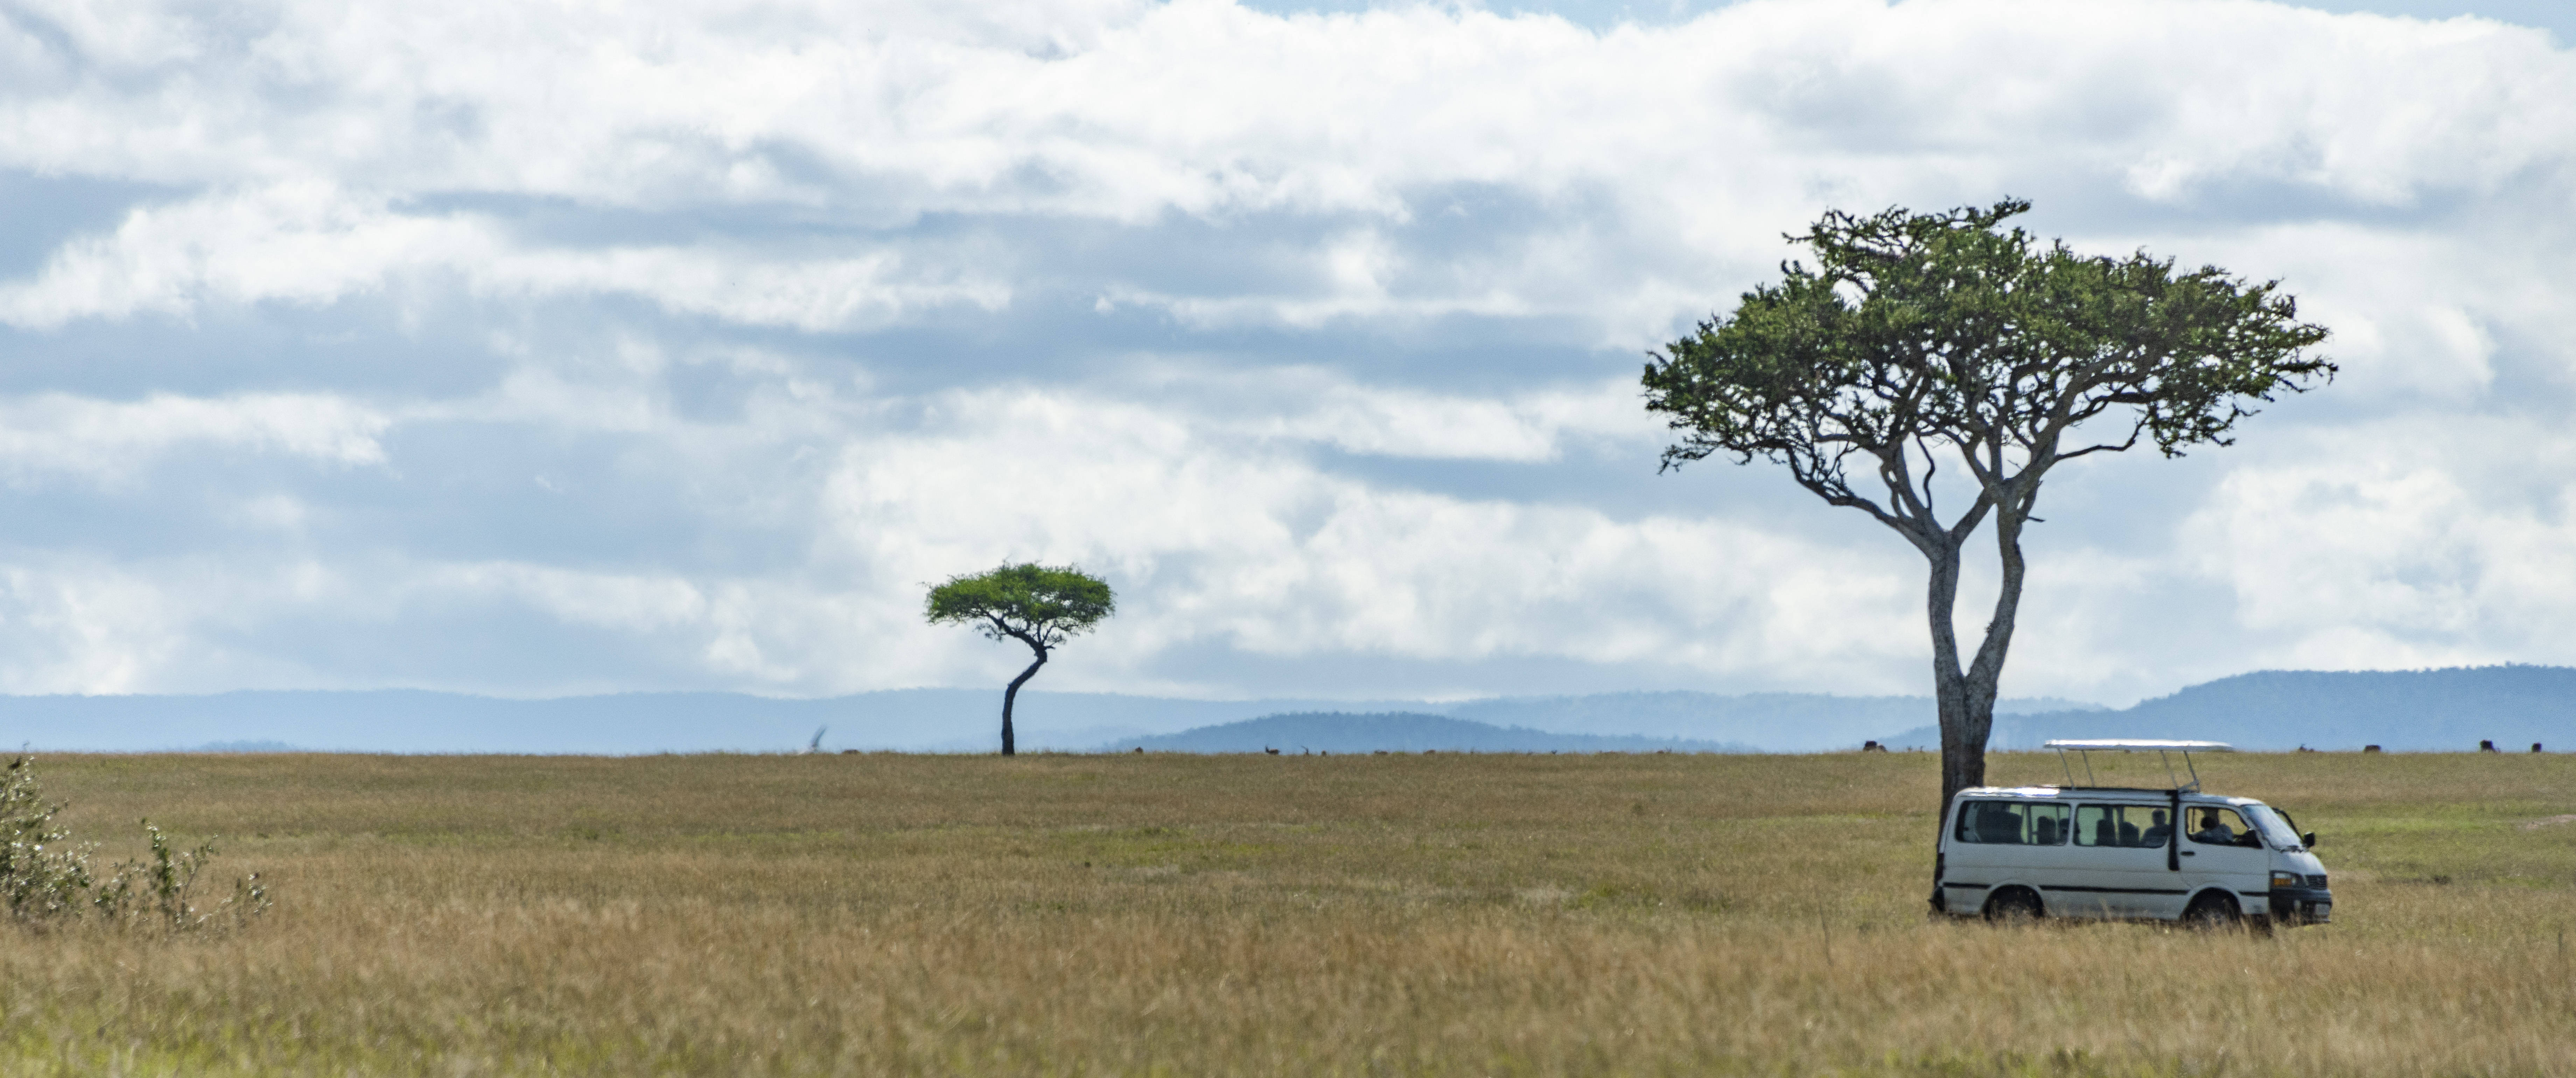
(538,349)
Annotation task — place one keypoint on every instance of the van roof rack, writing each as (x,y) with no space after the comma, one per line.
(2164,749)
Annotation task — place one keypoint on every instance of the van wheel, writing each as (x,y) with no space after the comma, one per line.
(2014,906)
(2212,911)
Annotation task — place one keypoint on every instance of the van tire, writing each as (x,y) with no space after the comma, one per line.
(2014,905)
(2213,910)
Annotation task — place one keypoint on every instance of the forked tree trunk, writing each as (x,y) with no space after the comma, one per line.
(1011,696)
(1967,695)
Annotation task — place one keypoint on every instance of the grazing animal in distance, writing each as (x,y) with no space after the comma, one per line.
(1268,749)
(2370,748)
(1872,746)
(1140,750)
(2486,746)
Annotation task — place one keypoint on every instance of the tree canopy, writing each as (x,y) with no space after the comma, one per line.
(1038,605)
(1920,339)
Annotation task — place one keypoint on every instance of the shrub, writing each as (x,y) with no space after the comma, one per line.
(42,872)
(46,876)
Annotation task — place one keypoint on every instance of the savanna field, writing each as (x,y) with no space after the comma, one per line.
(1186,915)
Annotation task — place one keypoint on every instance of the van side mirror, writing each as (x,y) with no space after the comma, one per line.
(2309,840)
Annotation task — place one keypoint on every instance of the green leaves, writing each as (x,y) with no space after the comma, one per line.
(1039,605)
(1945,331)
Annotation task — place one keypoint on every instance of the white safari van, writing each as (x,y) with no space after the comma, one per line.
(2173,854)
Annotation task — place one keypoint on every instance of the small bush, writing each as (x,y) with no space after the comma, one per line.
(42,872)
(46,877)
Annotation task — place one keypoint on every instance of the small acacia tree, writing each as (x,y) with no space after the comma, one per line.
(1038,605)
(1924,338)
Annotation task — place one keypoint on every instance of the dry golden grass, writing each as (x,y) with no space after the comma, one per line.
(1446,914)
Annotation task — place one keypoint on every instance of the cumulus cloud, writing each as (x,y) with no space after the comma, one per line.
(1264,552)
(57,434)
(684,343)
(310,245)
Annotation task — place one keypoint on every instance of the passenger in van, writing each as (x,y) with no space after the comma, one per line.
(2044,831)
(2157,833)
(2213,830)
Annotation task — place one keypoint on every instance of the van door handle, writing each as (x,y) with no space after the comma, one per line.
(2189,853)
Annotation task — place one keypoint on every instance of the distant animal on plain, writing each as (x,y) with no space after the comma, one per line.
(2370,748)
(1268,749)
(1872,746)
(2486,746)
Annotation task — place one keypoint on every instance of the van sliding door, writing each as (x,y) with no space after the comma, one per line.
(2119,862)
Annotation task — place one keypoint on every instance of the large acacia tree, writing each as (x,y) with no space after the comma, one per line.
(1038,605)
(1922,340)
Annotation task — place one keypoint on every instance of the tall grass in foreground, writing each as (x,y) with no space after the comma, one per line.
(1258,915)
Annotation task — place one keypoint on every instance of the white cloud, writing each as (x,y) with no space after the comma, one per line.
(75,631)
(1528,426)
(897,289)
(1216,540)
(2407,543)
(1692,146)
(57,434)
(307,244)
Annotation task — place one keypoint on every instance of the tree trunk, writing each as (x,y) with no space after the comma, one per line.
(1964,724)
(1012,695)
(1967,697)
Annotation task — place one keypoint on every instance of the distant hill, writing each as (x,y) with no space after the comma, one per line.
(911,720)
(2401,711)
(2430,709)
(1337,731)
(408,720)
(1775,721)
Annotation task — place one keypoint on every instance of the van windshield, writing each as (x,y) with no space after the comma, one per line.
(2275,830)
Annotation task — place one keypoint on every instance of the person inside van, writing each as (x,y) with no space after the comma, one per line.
(2213,830)
(2156,832)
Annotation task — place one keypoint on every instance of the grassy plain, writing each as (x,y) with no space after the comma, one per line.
(1356,915)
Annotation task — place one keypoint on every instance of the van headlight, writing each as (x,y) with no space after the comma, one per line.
(2285,879)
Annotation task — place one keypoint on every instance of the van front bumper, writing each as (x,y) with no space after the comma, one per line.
(2302,905)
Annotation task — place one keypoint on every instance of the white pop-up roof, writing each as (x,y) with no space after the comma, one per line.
(2086,747)
(2131,744)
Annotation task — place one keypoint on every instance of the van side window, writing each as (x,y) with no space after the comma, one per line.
(2219,827)
(2131,826)
(2009,823)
